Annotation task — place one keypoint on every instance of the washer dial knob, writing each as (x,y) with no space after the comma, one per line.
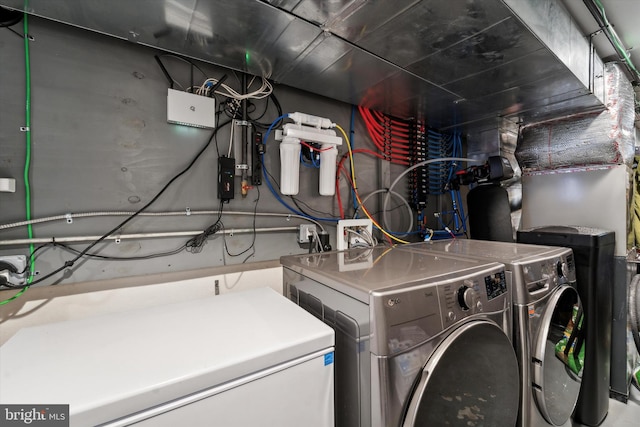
(466,297)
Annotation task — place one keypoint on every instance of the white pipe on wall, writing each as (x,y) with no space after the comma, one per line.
(231,232)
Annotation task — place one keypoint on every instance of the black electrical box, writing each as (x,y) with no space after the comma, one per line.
(226,173)
(257,151)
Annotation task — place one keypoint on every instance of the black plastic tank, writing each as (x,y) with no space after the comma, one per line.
(489,213)
(593,251)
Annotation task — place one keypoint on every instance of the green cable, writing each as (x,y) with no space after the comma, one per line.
(27,161)
(616,41)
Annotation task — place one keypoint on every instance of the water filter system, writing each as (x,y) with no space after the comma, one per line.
(309,130)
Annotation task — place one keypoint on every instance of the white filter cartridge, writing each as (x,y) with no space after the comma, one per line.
(290,166)
(328,170)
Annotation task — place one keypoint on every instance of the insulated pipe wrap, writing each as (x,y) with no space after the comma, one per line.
(598,138)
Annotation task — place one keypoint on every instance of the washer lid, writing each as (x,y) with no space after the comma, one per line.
(106,367)
(359,272)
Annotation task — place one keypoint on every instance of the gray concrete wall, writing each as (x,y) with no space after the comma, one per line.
(101,143)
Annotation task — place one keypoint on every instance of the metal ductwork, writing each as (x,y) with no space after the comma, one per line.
(459,63)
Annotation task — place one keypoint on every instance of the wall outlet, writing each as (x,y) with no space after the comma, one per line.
(345,239)
(305,231)
(12,270)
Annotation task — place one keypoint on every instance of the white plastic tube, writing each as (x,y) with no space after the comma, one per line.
(328,170)
(164,234)
(310,120)
(387,198)
(289,166)
(72,216)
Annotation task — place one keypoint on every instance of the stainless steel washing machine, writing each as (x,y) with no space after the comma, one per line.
(542,282)
(421,339)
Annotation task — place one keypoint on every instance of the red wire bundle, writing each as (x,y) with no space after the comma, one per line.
(390,136)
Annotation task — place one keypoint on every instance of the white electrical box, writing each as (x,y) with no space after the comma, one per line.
(188,109)
(345,239)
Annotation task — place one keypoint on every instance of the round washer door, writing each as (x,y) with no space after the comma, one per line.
(555,385)
(471,379)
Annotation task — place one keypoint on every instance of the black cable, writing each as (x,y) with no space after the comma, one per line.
(97,256)
(378,212)
(164,71)
(266,108)
(297,202)
(30,258)
(15,32)
(253,241)
(275,101)
(193,64)
(215,87)
(9,17)
(215,138)
(196,243)
(69,264)
(116,258)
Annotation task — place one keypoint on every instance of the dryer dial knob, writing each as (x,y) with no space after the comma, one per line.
(466,297)
(562,269)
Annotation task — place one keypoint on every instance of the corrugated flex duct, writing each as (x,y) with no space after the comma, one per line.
(600,138)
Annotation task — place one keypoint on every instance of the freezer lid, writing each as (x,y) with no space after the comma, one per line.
(106,367)
(508,253)
(360,272)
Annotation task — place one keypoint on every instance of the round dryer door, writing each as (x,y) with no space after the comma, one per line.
(471,379)
(556,361)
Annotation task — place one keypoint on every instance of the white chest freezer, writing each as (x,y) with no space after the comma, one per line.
(241,359)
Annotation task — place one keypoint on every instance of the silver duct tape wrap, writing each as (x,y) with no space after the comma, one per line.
(601,138)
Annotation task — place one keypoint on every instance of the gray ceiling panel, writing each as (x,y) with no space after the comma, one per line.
(315,59)
(349,76)
(510,75)
(494,47)
(405,95)
(431,26)
(365,18)
(451,62)
(317,11)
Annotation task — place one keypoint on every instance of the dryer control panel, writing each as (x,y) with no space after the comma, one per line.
(404,319)
(545,274)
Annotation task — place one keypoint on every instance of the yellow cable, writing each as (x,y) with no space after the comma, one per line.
(355,190)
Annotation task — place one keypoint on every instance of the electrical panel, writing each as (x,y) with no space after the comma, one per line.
(419,177)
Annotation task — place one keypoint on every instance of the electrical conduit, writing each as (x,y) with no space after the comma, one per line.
(27,162)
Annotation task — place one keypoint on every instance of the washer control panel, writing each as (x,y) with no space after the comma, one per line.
(408,317)
(482,293)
